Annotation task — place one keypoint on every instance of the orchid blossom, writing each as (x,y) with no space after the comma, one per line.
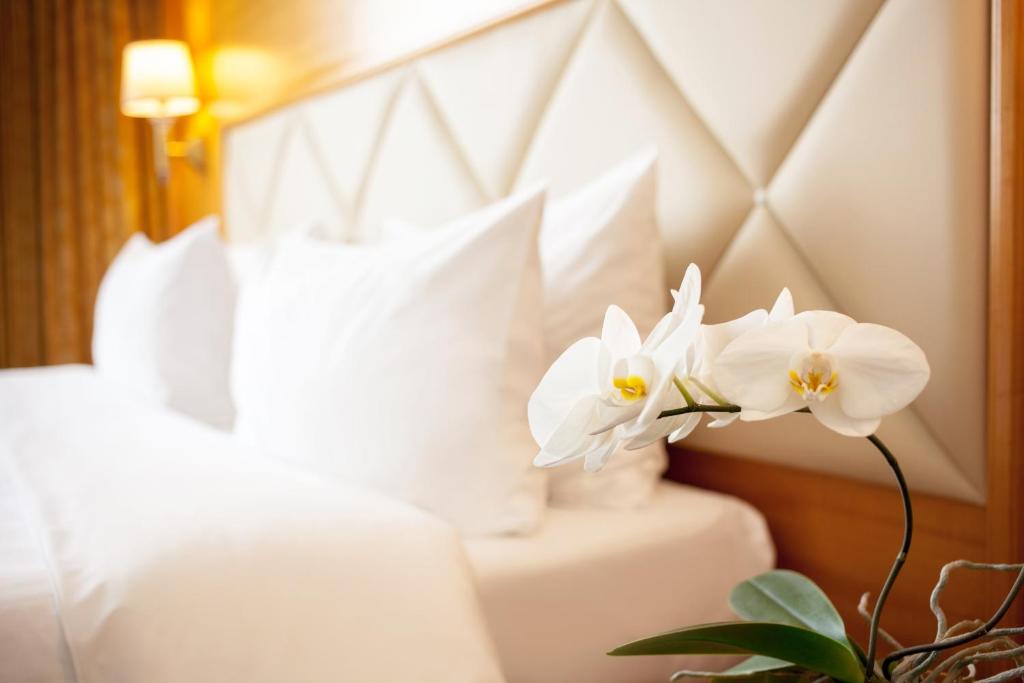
(714,339)
(848,374)
(603,392)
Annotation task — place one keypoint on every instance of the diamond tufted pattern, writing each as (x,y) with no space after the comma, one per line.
(835,146)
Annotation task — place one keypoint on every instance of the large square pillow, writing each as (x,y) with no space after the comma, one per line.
(600,245)
(163,322)
(405,366)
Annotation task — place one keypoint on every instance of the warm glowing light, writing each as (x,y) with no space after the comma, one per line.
(157,80)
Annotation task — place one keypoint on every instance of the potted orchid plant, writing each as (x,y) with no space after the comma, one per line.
(619,390)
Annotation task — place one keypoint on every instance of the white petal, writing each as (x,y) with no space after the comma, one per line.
(830,414)
(880,370)
(825,327)
(595,460)
(783,308)
(619,333)
(641,365)
(714,338)
(666,357)
(753,370)
(641,435)
(794,402)
(684,430)
(658,429)
(679,341)
(574,435)
(546,459)
(722,420)
(660,331)
(570,378)
(688,295)
(609,415)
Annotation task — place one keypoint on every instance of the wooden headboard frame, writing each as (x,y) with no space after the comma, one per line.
(841,532)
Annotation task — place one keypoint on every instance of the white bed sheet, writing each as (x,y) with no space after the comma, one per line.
(176,556)
(590,580)
(554,601)
(31,644)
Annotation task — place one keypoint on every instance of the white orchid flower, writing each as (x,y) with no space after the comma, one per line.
(601,392)
(848,374)
(714,338)
(685,301)
(668,342)
(693,373)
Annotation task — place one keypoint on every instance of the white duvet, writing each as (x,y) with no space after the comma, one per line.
(175,556)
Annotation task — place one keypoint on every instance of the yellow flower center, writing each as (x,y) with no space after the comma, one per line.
(632,388)
(817,379)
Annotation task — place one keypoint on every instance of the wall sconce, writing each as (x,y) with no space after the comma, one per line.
(158,83)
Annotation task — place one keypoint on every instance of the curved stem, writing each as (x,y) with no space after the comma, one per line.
(687,396)
(908,520)
(897,565)
(982,630)
(699,408)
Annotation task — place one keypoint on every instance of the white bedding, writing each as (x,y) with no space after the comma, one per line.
(177,557)
(593,579)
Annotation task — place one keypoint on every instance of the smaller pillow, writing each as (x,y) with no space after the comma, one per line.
(600,245)
(163,322)
(244,260)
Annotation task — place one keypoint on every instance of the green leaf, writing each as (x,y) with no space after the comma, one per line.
(753,665)
(750,668)
(786,597)
(794,644)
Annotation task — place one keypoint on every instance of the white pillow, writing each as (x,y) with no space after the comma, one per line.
(244,260)
(163,322)
(405,367)
(600,245)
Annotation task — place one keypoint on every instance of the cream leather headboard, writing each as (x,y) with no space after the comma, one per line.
(835,146)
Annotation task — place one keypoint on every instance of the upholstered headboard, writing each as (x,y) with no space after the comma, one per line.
(838,147)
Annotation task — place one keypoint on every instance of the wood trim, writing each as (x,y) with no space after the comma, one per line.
(844,533)
(1005,523)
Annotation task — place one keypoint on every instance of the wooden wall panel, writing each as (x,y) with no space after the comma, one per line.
(844,535)
(1006,297)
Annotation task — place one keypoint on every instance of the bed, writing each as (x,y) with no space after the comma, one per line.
(141,545)
(132,538)
(589,579)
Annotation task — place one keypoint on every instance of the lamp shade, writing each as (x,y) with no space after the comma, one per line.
(157,80)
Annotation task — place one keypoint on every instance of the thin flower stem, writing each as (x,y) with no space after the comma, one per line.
(908,524)
(908,531)
(897,565)
(699,408)
(684,391)
(710,392)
